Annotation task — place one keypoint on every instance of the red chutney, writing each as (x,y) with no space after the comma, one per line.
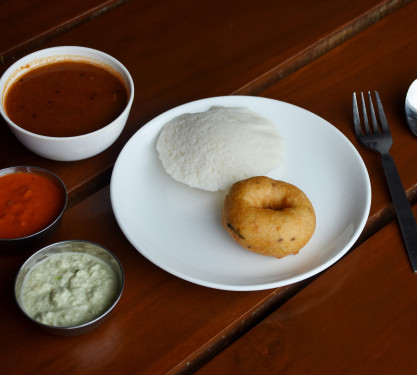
(28,203)
(66,99)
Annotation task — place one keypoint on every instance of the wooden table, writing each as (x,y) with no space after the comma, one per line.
(355,317)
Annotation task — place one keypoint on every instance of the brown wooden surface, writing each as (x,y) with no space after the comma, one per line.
(161,323)
(177,52)
(356,318)
(365,63)
(28,24)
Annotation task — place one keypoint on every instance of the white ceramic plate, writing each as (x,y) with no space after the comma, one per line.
(179,228)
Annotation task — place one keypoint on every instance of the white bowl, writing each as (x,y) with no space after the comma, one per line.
(67,148)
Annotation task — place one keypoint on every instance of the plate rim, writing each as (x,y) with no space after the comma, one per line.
(261,285)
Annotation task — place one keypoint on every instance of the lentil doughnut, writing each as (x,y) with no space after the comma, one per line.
(268,217)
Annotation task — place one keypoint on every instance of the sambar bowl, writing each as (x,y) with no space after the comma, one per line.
(67,148)
(21,201)
(69,288)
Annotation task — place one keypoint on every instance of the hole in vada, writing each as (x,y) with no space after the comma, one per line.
(280,205)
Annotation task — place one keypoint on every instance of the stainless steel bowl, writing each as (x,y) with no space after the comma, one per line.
(34,240)
(78,246)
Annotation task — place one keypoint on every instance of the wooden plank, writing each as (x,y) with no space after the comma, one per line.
(364,63)
(161,323)
(181,51)
(28,24)
(356,318)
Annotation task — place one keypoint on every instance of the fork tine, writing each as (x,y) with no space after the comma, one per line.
(374,121)
(356,118)
(383,119)
(365,115)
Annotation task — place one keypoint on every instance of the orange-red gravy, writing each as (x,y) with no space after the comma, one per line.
(28,203)
(65,99)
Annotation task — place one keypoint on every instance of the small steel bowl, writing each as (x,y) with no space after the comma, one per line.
(36,239)
(78,246)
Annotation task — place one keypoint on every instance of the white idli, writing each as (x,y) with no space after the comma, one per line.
(212,150)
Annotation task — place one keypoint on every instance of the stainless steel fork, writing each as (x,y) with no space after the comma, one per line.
(379,139)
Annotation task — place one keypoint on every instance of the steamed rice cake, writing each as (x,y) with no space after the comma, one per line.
(212,150)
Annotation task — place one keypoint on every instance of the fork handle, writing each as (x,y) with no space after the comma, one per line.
(405,215)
